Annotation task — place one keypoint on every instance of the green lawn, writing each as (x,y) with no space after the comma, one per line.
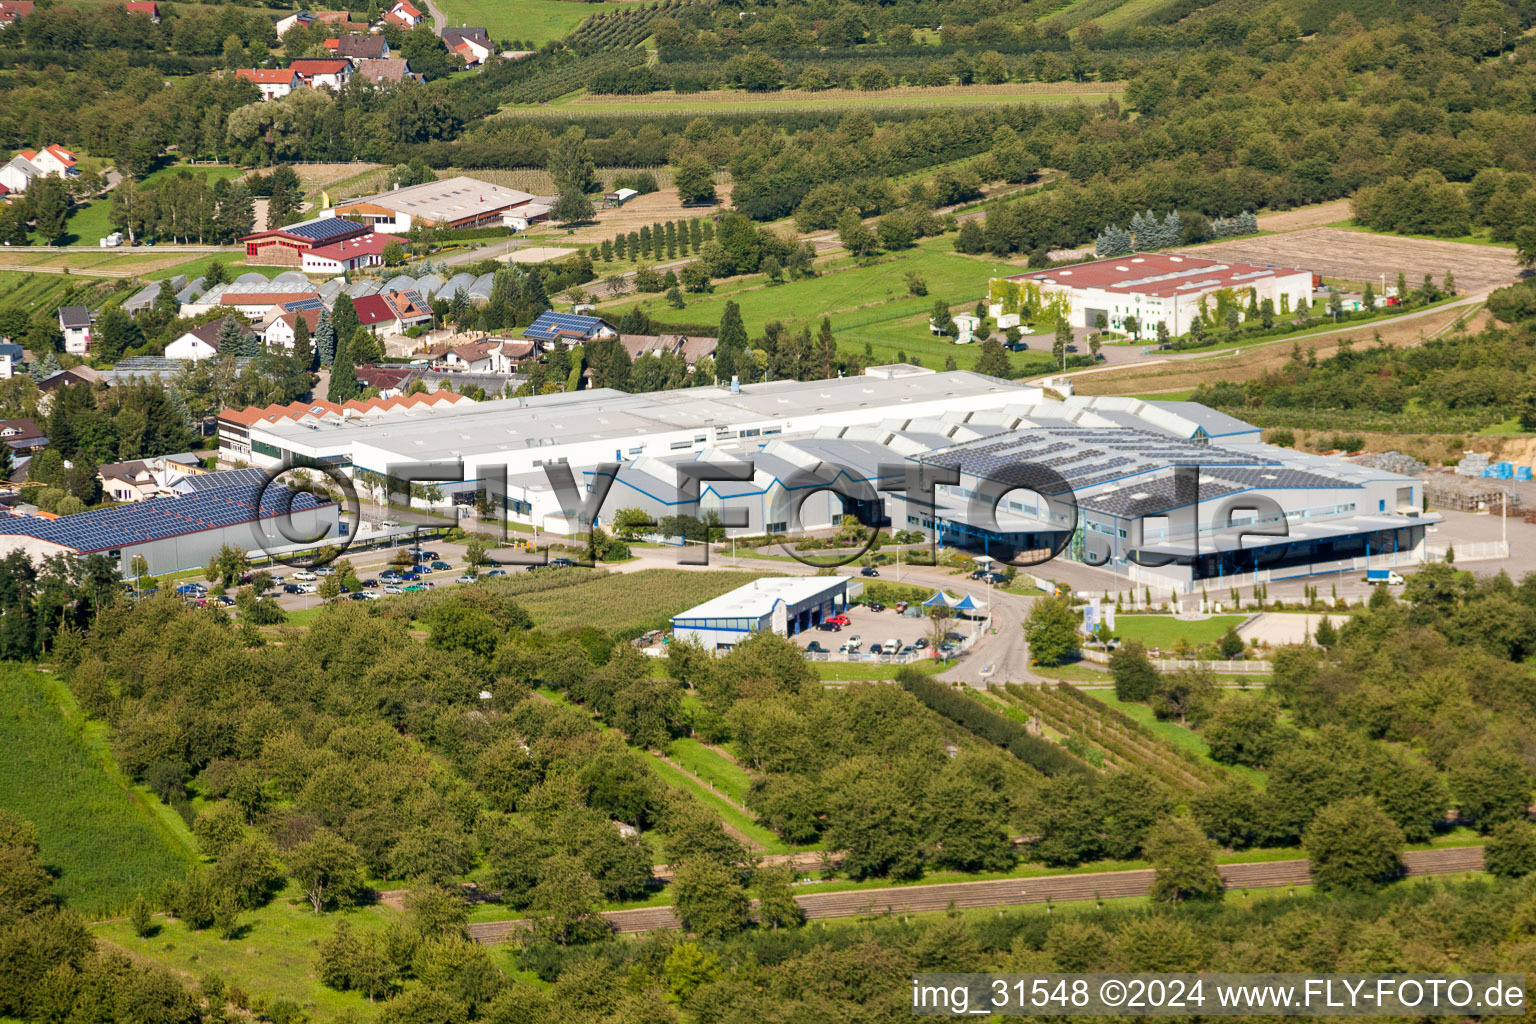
(742,823)
(106,839)
(836,671)
(536,21)
(724,774)
(210,172)
(648,598)
(1164,630)
(275,957)
(868,304)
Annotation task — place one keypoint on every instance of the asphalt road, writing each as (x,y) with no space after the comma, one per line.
(913,899)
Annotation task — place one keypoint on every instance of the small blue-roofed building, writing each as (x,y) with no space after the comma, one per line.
(285,246)
(568,329)
(787,605)
(180,532)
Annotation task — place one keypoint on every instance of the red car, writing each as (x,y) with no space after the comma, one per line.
(839,620)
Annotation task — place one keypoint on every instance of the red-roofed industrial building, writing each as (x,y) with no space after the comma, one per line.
(286,246)
(1149,288)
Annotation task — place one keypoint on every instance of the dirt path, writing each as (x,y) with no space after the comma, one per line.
(1306,216)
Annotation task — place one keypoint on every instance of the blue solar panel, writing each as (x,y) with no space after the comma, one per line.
(324,229)
(301,304)
(547,325)
(159,518)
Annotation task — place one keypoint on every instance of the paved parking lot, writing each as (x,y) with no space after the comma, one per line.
(870,627)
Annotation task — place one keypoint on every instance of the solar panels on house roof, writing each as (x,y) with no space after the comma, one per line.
(548,326)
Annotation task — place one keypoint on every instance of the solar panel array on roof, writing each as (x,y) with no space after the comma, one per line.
(159,518)
(548,326)
(1282,476)
(1153,498)
(299,305)
(321,230)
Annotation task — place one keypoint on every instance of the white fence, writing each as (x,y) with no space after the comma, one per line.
(1174,664)
(1479,552)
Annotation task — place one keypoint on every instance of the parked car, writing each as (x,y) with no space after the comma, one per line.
(366,595)
(892,645)
(291,588)
(829,627)
(1015,346)
(815,648)
(428,556)
(226,600)
(850,647)
(308,588)
(997,579)
(440,565)
(875,649)
(466,578)
(948,649)
(908,651)
(956,637)
(561,563)
(358,596)
(390,575)
(841,620)
(370,584)
(191,590)
(393,589)
(324,570)
(411,576)
(855,640)
(305,574)
(415,588)
(920,643)
(875,606)
(869,570)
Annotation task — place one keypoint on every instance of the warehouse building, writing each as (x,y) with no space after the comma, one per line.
(181,532)
(286,246)
(457,202)
(787,605)
(1097,477)
(1149,288)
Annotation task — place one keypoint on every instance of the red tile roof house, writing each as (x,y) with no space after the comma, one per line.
(274,83)
(390,313)
(53,161)
(331,73)
(14,10)
(144,7)
(404,15)
(347,255)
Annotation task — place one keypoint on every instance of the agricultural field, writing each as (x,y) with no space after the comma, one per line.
(1365,256)
(867,303)
(1105,737)
(643,600)
(906,96)
(274,957)
(1164,631)
(534,21)
(107,840)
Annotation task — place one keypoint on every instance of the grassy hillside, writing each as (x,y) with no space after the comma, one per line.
(536,21)
(105,839)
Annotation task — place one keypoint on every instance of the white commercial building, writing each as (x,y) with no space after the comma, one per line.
(785,605)
(1151,288)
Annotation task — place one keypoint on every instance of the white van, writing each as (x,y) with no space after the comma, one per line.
(891,646)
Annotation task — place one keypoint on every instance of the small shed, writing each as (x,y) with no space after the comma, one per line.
(619,196)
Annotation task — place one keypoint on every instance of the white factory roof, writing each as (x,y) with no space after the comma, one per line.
(518,424)
(758,598)
(452,199)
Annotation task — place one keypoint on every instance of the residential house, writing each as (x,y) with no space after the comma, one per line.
(279,331)
(17,174)
(148,7)
(473,44)
(141,478)
(298,19)
(692,349)
(346,255)
(356,47)
(12,356)
(404,15)
(54,162)
(75,322)
(69,378)
(493,355)
(569,329)
(200,342)
(12,11)
(392,313)
(330,73)
(390,69)
(273,83)
(22,436)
